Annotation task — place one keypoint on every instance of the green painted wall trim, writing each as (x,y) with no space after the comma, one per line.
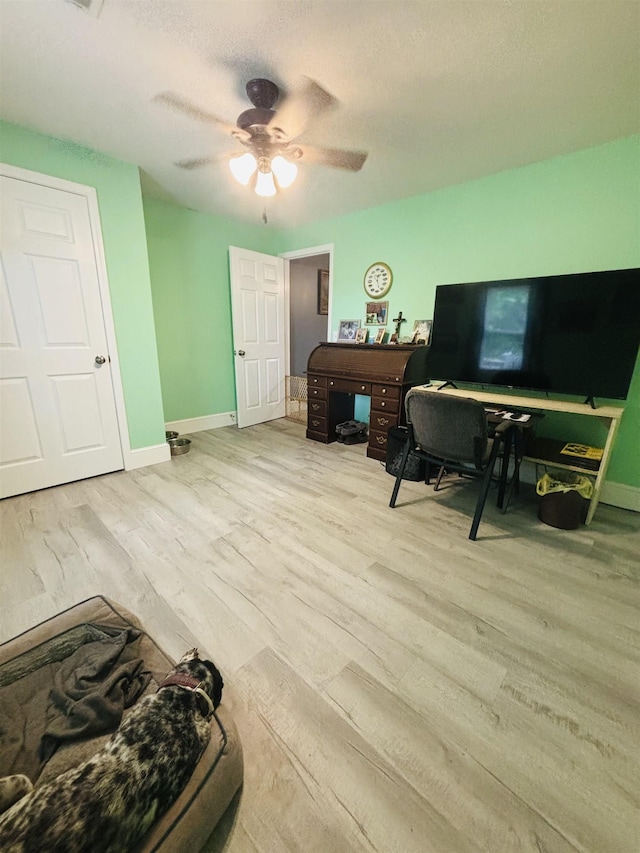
(570,214)
(120,203)
(189,262)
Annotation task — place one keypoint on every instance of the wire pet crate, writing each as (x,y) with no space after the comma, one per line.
(296,399)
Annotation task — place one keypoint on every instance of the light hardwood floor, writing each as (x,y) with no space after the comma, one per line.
(396,687)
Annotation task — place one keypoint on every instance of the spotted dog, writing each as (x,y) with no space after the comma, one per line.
(110,801)
(12,788)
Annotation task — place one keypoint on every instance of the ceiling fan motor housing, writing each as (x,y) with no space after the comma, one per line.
(262,93)
(255,116)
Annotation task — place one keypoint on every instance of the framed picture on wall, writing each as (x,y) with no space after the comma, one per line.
(376,313)
(347,331)
(323,291)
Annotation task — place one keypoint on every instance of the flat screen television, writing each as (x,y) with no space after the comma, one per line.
(567,334)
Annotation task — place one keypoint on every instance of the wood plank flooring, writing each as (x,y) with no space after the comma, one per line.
(396,687)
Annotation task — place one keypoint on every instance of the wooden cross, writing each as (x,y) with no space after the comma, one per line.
(399,320)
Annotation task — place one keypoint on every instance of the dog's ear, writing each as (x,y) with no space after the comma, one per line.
(218,683)
(192,654)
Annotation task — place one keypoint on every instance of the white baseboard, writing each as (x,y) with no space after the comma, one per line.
(614,494)
(618,494)
(199,424)
(144,456)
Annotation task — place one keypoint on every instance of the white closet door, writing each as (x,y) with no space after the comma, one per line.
(58,417)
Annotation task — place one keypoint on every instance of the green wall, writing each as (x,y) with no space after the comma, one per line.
(189,262)
(573,213)
(120,203)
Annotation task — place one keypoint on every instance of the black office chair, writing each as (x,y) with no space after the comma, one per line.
(452,433)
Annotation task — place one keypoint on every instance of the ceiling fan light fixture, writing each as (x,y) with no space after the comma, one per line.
(265,185)
(284,171)
(243,167)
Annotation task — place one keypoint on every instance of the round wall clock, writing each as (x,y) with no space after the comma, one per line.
(377,280)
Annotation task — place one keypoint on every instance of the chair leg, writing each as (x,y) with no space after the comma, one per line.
(439,477)
(482,497)
(403,463)
(514,484)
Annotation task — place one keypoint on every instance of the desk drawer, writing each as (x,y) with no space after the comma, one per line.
(378,440)
(381,421)
(317,408)
(391,392)
(316,381)
(316,424)
(384,404)
(350,386)
(316,393)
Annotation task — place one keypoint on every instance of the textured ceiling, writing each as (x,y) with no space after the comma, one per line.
(437,92)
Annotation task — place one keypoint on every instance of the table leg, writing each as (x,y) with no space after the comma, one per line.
(504,468)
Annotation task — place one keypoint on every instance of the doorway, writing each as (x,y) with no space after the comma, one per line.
(265,385)
(308,321)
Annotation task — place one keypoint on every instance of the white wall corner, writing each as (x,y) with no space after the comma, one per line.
(144,456)
(189,425)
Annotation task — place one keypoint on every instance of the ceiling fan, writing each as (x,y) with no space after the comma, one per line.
(268,134)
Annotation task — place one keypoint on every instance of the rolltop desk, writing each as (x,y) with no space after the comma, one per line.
(337,372)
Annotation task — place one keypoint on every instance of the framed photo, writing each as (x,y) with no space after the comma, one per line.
(362,335)
(380,336)
(376,313)
(393,339)
(347,331)
(421,332)
(323,291)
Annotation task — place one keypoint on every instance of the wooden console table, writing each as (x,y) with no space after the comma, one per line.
(546,451)
(336,372)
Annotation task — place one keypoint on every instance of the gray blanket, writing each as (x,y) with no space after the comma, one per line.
(75,686)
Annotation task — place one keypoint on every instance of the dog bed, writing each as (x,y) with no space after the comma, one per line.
(32,661)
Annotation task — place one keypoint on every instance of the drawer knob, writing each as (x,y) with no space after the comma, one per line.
(315,406)
(383,421)
(315,422)
(331,383)
(381,439)
(364,387)
(384,390)
(383,403)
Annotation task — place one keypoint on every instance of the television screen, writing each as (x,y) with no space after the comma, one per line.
(569,334)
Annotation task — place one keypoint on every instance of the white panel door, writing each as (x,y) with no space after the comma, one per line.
(257,300)
(58,417)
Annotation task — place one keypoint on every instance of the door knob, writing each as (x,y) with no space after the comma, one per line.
(100,359)
(241,352)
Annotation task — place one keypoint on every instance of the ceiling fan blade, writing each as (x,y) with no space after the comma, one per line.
(196,163)
(334,157)
(180,104)
(298,108)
